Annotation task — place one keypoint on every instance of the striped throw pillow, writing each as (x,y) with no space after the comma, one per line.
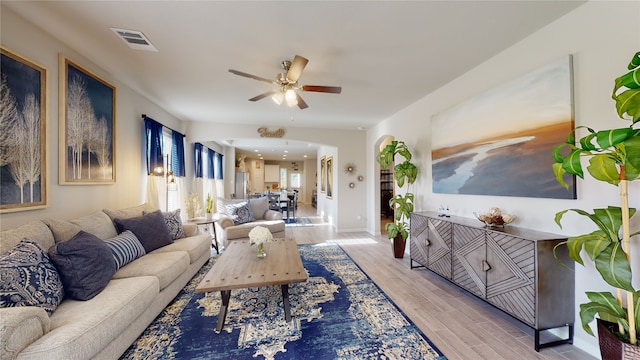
(125,248)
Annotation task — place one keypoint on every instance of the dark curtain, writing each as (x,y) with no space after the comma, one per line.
(153,131)
(211,155)
(219,167)
(198,159)
(177,154)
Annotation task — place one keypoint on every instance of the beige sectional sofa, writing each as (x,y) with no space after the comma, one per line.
(235,224)
(107,324)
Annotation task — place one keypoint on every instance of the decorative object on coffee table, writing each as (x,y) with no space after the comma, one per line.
(258,236)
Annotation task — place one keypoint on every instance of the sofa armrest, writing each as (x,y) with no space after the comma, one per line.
(225,222)
(273,215)
(190,230)
(19,327)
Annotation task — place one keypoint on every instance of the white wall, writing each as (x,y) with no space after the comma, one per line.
(70,201)
(602,36)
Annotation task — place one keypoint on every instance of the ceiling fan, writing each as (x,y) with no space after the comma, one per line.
(287,83)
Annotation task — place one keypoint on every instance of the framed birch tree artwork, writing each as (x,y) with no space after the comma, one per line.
(323,175)
(87,126)
(23,120)
(329,177)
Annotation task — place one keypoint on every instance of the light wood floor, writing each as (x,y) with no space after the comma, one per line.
(459,324)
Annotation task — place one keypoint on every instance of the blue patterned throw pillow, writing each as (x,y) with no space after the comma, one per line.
(125,248)
(28,278)
(174,223)
(240,213)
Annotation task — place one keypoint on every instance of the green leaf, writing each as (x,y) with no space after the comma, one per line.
(613,266)
(586,143)
(632,159)
(603,168)
(629,102)
(559,172)
(572,164)
(609,138)
(603,304)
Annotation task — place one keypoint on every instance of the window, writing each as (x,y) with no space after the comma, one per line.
(295,180)
(283,178)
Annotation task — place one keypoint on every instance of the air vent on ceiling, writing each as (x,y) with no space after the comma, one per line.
(135,39)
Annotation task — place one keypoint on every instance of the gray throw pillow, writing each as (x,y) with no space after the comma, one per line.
(150,229)
(85,264)
(29,278)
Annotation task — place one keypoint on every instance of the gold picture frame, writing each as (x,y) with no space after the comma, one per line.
(329,177)
(87,126)
(23,134)
(323,175)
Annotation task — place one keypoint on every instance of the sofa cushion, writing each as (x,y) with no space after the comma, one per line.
(259,206)
(150,229)
(85,264)
(81,329)
(35,231)
(240,213)
(125,248)
(129,212)
(174,223)
(195,246)
(97,223)
(29,278)
(242,231)
(164,266)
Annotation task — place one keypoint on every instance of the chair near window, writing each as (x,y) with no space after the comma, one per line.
(274,202)
(291,205)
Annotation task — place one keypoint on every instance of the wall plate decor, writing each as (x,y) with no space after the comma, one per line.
(501,141)
(352,185)
(23,133)
(350,169)
(87,126)
(360,177)
(329,177)
(323,175)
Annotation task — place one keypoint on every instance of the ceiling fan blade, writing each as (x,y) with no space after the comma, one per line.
(262,96)
(324,89)
(240,73)
(301,103)
(295,70)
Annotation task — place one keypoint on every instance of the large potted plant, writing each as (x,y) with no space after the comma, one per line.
(614,157)
(402,204)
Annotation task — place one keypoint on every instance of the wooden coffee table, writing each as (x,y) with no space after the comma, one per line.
(238,267)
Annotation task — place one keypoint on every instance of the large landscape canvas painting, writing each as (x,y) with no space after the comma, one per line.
(500,142)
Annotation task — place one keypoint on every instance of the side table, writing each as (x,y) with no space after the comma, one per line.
(209,223)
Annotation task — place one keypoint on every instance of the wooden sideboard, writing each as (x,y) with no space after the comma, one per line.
(511,268)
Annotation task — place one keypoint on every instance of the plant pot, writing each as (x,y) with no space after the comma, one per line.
(612,348)
(398,247)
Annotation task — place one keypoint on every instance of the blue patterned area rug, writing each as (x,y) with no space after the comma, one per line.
(297,221)
(339,313)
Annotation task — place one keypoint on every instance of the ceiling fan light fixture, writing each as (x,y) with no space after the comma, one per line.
(277,97)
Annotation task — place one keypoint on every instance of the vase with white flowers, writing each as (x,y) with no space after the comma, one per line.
(258,236)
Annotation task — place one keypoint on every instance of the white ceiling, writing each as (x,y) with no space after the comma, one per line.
(384,54)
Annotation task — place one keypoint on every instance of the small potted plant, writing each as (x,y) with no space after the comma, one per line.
(209,207)
(402,205)
(614,157)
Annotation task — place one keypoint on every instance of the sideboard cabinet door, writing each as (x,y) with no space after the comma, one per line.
(469,259)
(511,279)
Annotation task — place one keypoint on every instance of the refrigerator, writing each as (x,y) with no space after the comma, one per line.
(242,185)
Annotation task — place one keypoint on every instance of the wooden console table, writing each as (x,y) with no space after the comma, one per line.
(511,268)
